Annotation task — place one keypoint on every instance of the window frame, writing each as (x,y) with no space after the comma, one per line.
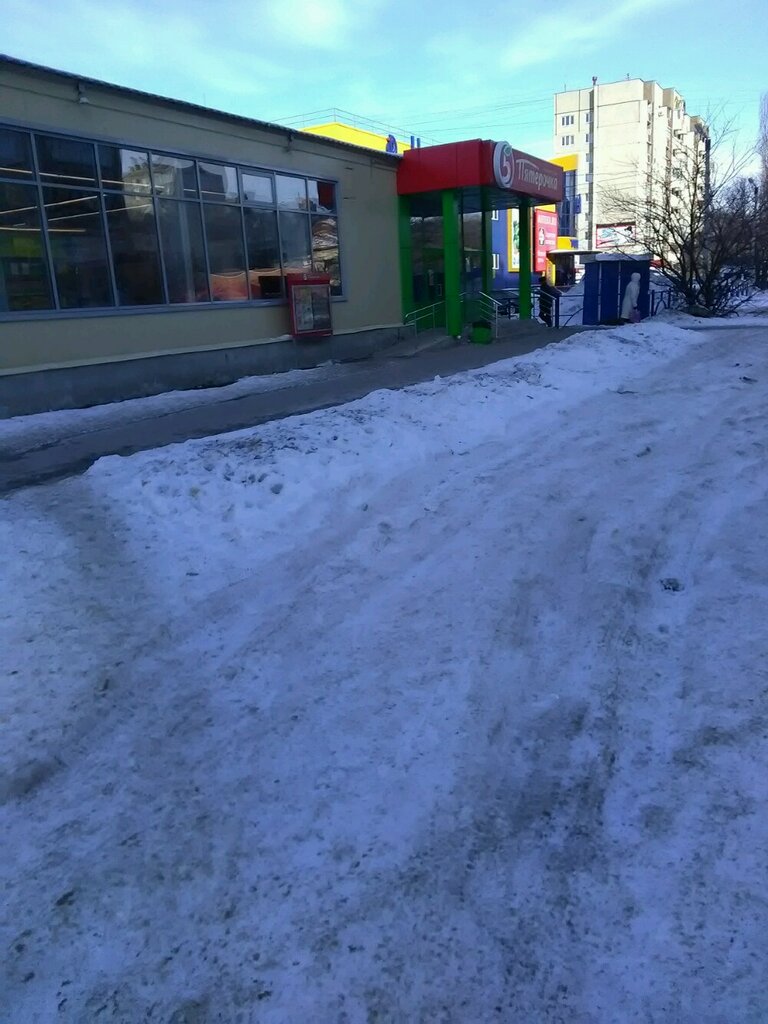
(32,129)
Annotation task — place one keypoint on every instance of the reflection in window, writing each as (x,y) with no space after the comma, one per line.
(76,235)
(325,250)
(24,280)
(291,192)
(263,254)
(174,176)
(65,161)
(15,154)
(294,240)
(218,183)
(181,237)
(322,196)
(224,235)
(257,188)
(133,238)
(124,169)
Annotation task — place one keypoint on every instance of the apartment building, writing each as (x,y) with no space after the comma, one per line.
(628,137)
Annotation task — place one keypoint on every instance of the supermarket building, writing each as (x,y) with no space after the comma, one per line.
(145,242)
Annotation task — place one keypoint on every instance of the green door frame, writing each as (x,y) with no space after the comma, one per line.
(452,270)
(524,299)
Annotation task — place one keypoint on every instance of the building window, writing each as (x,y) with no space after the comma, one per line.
(218,183)
(586,138)
(294,239)
(78,247)
(65,161)
(325,250)
(567,140)
(24,280)
(291,192)
(124,227)
(567,119)
(263,254)
(257,188)
(587,117)
(125,170)
(15,155)
(495,262)
(181,236)
(226,258)
(174,176)
(135,255)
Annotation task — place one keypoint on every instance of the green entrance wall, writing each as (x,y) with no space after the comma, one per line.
(453,255)
(526,307)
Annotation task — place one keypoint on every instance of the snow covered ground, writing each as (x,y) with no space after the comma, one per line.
(448,705)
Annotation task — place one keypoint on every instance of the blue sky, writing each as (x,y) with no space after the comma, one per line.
(444,70)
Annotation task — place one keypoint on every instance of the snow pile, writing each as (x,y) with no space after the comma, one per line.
(25,432)
(446,705)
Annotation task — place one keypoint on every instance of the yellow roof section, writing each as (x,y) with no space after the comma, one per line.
(356,136)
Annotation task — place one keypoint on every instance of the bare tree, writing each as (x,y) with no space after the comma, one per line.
(760,187)
(694,214)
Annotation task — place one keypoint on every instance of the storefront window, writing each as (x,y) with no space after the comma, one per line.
(294,240)
(125,170)
(78,249)
(322,196)
(325,250)
(24,283)
(181,236)
(263,254)
(174,176)
(135,258)
(218,183)
(65,161)
(291,192)
(224,235)
(125,227)
(257,188)
(15,154)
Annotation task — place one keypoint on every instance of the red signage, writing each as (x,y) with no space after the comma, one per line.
(479,162)
(309,302)
(544,237)
(526,174)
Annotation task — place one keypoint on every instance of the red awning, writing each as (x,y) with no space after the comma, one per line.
(479,162)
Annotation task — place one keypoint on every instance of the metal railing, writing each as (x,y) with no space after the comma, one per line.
(426,318)
(488,309)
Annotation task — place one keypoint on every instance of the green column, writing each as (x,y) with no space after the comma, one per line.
(487,238)
(452,259)
(406,254)
(526,262)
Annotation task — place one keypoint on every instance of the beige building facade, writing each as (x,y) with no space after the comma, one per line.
(629,137)
(154,233)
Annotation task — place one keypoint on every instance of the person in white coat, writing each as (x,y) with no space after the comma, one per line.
(631,295)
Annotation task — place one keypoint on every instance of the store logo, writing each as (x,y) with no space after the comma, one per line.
(503,165)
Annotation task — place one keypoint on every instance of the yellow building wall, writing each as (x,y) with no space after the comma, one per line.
(356,136)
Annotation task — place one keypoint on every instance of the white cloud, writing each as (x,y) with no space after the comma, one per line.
(577,31)
(320,24)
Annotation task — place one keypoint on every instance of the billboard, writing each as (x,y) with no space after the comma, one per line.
(614,236)
(544,237)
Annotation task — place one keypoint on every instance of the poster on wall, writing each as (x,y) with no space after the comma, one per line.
(514,240)
(544,237)
(614,236)
(309,302)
